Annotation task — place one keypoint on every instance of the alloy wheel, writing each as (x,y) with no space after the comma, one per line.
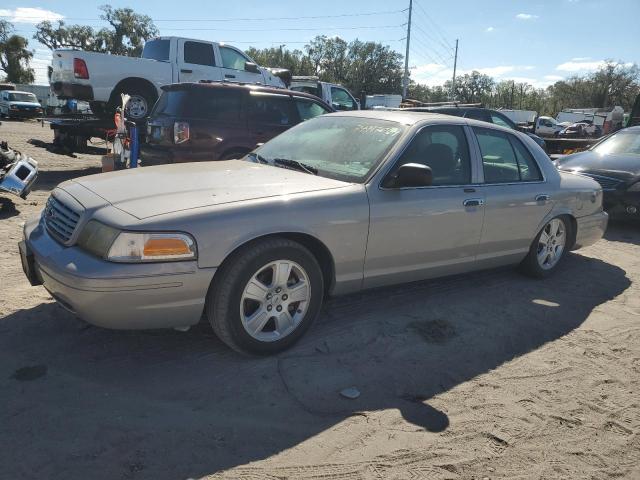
(275,300)
(551,244)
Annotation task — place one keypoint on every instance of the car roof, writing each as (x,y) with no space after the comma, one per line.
(423,117)
(240,87)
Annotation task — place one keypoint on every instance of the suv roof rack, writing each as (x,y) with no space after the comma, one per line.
(419,104)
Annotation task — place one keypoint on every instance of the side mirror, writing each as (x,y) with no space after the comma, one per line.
(251,67)
(410,175)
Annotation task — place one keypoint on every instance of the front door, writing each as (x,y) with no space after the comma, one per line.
(517,196)
(417,233)
(234,66)
(196,61)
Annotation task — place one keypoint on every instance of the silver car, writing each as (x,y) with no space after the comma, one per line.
(337,204)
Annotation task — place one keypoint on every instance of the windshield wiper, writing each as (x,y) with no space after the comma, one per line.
(258,157)
(296,165)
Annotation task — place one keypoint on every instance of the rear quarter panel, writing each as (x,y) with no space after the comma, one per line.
(106,71)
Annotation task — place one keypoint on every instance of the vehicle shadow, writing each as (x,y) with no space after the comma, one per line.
(624,231)
(63,150)
(84,402)
(7,208)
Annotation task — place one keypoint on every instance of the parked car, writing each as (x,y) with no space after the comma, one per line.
(582,129)
(335,95)
(101,78)
(217,121)
(15,104)
(340,203)
(18,172)
(614,162)
(479,113)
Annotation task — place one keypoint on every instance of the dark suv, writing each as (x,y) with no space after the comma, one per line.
(479,113)
(219,121)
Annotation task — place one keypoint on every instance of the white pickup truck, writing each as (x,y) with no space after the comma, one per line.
(100,78)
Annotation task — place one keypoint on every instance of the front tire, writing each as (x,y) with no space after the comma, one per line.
(548,249)
(265,296)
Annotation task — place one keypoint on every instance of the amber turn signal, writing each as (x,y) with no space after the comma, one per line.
(165,246)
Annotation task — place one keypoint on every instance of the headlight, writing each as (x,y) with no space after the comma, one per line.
(634,188)
(151,247)
(132,247)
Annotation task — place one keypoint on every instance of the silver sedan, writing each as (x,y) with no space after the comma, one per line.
(340,203)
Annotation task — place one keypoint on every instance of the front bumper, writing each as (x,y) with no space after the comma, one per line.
(590,229)
(112,295)
(24,113)
(72,90)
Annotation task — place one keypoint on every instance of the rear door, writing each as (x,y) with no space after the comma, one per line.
(197,61)
(233,63)
(270,114)
(516,194)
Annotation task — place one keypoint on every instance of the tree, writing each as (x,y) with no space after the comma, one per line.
(15,55)
(126,36)
(471,87)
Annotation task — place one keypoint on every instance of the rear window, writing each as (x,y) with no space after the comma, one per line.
(199,53)
(206,103)
(157,50)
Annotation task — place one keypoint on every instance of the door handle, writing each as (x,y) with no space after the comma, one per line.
(473,202)
(185,70)
(543,197)
(228,75)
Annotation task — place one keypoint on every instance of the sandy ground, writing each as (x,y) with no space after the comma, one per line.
(489,375)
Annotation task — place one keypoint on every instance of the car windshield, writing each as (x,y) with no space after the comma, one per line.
(622,143)
(22,97)
(342,148)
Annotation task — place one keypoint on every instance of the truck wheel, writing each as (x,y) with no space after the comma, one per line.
(266,296)
(140,104)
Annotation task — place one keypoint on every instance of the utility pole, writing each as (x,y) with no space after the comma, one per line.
(453,81)
(405,80)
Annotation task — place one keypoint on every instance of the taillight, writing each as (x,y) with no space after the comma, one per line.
(180,132)
(80,69)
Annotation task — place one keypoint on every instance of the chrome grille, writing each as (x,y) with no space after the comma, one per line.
(607,183)
(60,219)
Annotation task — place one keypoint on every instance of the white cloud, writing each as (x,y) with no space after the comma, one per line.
(29,15)
(553,78)
(432,74)
(580,59)
(526,16)
(580,66)
(489,29)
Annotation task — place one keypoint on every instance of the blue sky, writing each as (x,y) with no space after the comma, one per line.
(537,41)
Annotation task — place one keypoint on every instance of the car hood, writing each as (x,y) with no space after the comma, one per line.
(150,191)
(624,167)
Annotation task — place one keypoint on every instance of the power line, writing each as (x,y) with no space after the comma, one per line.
(437,28)
(365,27)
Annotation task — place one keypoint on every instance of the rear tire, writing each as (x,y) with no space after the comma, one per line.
(139,107)
(258,305)
(548,249)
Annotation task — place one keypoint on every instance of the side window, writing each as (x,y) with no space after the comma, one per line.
(529,170)
(501,161)
(481,115)
(498,120)
(444,149)
(211,104)
(232,58)
(272,110)
(308,109)
(341,100)
(199,53)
